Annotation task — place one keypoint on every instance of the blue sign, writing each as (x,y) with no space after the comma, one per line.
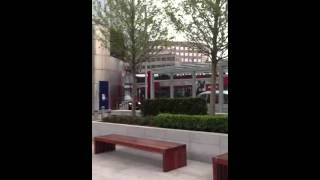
(103,94)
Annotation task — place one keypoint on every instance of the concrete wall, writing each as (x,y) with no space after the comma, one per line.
(105,68)
(201,146)
(124,112)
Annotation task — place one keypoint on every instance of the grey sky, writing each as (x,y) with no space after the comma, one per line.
(172,31)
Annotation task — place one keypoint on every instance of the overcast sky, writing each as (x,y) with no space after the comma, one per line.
(172,32)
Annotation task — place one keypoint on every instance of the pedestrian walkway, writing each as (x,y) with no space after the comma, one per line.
(134,164)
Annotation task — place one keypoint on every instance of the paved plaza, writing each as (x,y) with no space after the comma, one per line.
(126,163)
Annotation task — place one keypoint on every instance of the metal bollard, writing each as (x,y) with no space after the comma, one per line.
(95,115)
(102,112)
(108,112)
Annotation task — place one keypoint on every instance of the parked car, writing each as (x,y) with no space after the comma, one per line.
(128,101)
(206,96)
(138,105)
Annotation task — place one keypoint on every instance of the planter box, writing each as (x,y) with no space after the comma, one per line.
(201,146)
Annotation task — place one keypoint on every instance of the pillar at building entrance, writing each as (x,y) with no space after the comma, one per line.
(194,88)
(171,86)
(151,86)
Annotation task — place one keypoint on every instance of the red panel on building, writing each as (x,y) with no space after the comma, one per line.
(148,83)
(156,87)
(225,80)
(225,84)
(208,87)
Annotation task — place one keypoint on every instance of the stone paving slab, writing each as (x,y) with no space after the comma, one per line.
(127,163)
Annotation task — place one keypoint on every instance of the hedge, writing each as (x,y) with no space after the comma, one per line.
(218,123)
(128,120)
(190,106)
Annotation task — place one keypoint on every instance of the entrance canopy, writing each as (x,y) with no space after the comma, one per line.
(188,68)
(193,69)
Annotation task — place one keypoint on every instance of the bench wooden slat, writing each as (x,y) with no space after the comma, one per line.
(220,167)
(174,155)
(141,143)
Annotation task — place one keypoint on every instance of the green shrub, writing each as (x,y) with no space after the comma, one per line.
(192,122)
(128,120)
(218,123)
(191,106)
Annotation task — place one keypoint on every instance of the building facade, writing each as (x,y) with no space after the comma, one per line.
(107,76)
(176,52)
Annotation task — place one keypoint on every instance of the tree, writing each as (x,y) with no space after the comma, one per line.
(116,44)
(205,23)
(138,23)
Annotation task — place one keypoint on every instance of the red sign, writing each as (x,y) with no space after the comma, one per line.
(148,83)
(225,84)
(156,87)
(208,87)
(225,81)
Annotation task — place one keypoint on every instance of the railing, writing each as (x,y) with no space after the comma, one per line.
(124,105)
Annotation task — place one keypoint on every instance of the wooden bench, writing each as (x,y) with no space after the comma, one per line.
(220,167)
(173,154)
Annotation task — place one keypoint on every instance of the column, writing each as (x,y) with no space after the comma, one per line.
(171,86)
(151,86)
(221,83)
(194,88)
(146,81)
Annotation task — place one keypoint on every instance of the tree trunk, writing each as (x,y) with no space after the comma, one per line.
(212,109)
(133,65)
(214,62)
(134,92)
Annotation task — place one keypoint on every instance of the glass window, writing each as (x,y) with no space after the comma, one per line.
(182,91)
(163,92)
(140,79)
(163,77)
(225,99)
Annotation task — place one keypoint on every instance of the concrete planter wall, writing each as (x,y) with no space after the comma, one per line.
(201,146)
